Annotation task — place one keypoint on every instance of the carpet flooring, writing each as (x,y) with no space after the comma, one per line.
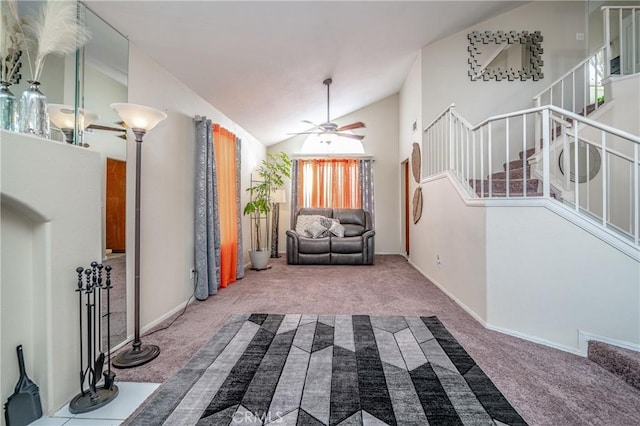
(330,370)
(546,386)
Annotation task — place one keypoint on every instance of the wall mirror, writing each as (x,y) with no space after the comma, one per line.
(589,162)
(102,77)
(504,55)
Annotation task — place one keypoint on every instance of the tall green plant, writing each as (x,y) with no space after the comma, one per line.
(271,174)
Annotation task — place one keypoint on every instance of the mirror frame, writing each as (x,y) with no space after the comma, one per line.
(531,43)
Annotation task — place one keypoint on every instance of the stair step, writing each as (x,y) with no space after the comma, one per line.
(515,165)
(621,362)
(513,174)
(500,185)
(528,153)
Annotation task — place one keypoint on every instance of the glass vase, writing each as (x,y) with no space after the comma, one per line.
(33,116)
(7,107)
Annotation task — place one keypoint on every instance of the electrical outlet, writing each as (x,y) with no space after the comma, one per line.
(579,36)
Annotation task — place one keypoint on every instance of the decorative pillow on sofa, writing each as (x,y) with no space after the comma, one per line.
(316,230)
(337,229)
(304,221)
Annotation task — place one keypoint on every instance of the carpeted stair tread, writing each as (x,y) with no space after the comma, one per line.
(500,185)
(513,174)
(621,362)
(515,165)
(529,152)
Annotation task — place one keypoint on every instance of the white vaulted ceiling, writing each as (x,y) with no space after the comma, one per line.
(262,63)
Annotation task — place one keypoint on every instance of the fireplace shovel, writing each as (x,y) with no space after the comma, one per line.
(23,406)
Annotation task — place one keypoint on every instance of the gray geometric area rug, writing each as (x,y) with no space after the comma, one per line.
(267,369)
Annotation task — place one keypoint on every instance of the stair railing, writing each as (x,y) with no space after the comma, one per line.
(485,160)
(579,87)
(626,20)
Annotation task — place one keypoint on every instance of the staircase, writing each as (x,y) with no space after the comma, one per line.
(624,363)
(499,159)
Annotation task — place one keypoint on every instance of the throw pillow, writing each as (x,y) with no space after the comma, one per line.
(316,230)
(337,229)
(304,221)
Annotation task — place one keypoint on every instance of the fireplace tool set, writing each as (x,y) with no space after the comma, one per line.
(90,291)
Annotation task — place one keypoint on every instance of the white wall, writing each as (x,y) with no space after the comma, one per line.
(524,271)
(50,225)
(381,142)
(455,234)
(445,67)
(547,278)
(167,205)
(410,111)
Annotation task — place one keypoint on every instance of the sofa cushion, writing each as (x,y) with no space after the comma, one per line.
(304,221)
(350,216)
(336,229)
(314,245)
(346,245)
(351,230)
(317,230)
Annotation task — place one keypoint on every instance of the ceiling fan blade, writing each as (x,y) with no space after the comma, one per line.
(306,133)
(314,125)
(356,125)
(350,135)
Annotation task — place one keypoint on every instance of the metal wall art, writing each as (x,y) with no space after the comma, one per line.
(417,205)
(416,162)
(488,50)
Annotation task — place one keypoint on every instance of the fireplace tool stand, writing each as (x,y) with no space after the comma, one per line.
(92,357)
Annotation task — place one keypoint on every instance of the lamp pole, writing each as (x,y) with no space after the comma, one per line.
(140,120)
(138,354)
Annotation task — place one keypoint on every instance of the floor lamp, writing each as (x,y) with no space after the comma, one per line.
(279,197)
(140,119)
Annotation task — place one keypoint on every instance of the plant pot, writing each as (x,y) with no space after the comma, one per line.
(259,258)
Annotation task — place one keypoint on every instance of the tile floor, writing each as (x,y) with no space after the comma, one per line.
(130,396)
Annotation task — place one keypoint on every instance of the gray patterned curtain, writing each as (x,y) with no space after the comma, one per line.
(294,192)
(366,188)
(240,259)
(207,223)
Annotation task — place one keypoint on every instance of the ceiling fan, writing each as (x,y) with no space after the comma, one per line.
(330,128)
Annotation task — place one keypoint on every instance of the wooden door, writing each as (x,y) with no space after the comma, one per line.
(116,205)
(405,170)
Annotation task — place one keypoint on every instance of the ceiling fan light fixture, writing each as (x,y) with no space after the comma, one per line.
(330,128)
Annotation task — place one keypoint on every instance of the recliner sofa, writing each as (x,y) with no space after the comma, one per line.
(356,247)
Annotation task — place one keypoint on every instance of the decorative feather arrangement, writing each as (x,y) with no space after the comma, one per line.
(12,42)
(57,31)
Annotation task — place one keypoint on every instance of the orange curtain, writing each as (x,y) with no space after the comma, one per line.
(224,144)
(330,183)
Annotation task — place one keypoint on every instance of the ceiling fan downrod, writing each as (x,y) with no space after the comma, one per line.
(327,83)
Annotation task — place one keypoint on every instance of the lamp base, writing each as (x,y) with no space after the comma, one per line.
(135,357)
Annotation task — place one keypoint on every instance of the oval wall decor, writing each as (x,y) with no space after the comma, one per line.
(416,162)
(417,205)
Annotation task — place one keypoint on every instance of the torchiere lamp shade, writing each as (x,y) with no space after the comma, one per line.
(139,116)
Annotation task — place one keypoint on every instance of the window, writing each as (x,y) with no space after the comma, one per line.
(331,183)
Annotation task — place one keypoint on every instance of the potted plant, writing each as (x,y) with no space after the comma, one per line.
(271,174)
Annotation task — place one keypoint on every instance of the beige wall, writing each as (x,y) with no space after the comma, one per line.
(520,270)
(50,225)
(381,142)
(445,67)
(167,209)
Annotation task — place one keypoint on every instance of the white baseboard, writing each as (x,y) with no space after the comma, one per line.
(148,327)
(533,339)
(584,337)
(488,326)
(450,295)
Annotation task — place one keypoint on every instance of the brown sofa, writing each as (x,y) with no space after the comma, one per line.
(356,247)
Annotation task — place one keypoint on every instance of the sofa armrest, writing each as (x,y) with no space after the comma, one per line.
(368,247)
(292,247)
(368,224)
